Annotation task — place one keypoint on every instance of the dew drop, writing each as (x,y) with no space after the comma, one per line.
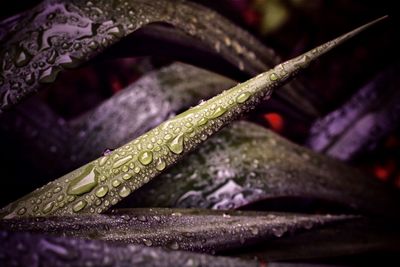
(101,191)
(137,170)
(122,161)
(103,161)
(21,211)
(57,189)
(160,164)
(242,97)
(83,183)
(147,242)
(60,198)
(176,145)
(48,207)
(145,157)
(116,183)
(79,205)
(127,176)
(202,121)
(174,245)
(22,58)
(254,230)
(125,191)
(273,77)
(218,112)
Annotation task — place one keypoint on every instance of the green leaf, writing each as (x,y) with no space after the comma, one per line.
(184,229)
(102,183)
(23,249)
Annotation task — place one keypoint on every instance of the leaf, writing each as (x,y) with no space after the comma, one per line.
(246,163)
(65,145)
(363,238)
(102,183)
(183,229)
(370,115)
(23,249)
(56,35)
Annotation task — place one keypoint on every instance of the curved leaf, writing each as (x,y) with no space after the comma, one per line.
(150,100)
(61,34)
(23,249)
(245,163)
(102,183)
(192,230)
(371,114)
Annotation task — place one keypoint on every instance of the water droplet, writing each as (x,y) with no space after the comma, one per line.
(142,218)
(122,161)
(103,161)
(48,207)
(174,245)
(202,121)
(60,198)
(79,205)
(176,145)
(242,97)
(29,78)
(22,58)
(137,170)
(101,191)
(273,77)
(254,230)
(160,164)
(57,189)
(21,211)
(147,242)
(125,191)
(93,45)
(116,183)
(218,112)
(84,182)
(278,232)
(127,176)
(145,157)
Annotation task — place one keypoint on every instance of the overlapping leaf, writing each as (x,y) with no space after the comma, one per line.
(62,34)
(29,250)
(102,183)
(184,229)
(246,163)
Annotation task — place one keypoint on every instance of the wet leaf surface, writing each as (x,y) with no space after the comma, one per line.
(102,183)
(246,163)
(184,229)
(23,249)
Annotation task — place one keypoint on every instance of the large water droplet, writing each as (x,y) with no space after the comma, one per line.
(48,207)
(103,161)
(22,58)
(176,145)
(79,205)
(160,164)
(145,157)
(122,161)
(101,191)
(84,182)
(218,112)
(125,191)
(242,97)
(273,77)
(116,183)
